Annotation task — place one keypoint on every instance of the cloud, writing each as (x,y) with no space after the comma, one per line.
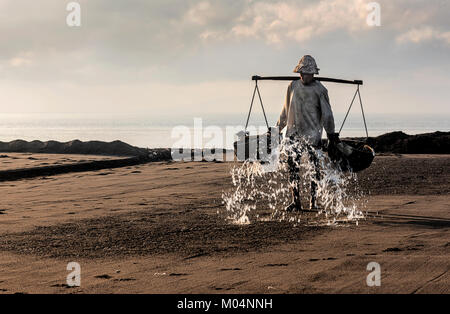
(200,13)
(275,22)
(23,59)
(423,34)
(158,36)
(185,43)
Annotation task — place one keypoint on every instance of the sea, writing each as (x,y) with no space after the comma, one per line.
(167,131)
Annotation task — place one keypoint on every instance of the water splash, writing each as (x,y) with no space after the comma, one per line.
(262,191)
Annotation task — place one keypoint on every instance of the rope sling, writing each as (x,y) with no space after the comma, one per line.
(351,155)
(251,106)
(362,111)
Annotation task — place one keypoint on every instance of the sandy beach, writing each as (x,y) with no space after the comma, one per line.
(158,228)
(212,155)
(10,161)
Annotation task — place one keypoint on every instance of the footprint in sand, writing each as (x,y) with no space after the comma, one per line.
(178,274)
(125,279)
(219,288)
(392,249)
(228,269)
(229,287)
(62,285)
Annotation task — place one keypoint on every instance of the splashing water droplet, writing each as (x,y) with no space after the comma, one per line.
(262,191)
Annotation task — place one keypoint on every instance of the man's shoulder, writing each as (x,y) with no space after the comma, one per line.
(292,86)
(316,85)
(320,88)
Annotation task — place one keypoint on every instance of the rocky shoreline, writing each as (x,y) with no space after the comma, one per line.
(401,143)
(394,142)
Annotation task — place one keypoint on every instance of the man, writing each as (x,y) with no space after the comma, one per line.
(305,113)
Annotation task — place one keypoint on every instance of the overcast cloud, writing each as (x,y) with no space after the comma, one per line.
(198,56)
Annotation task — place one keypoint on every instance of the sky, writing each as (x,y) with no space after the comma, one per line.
(194,57)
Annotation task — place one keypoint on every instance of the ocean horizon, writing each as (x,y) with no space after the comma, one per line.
(156,131)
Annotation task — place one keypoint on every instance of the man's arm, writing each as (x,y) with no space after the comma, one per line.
(327,113)
(287,103)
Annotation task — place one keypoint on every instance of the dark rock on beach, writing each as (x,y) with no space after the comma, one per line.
(134,156)
(116,148)
(394,142)
(401,143)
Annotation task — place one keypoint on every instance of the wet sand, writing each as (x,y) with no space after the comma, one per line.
(155,228)
(9,161)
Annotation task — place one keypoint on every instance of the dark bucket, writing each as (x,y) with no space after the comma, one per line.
(256,147)
(351,155)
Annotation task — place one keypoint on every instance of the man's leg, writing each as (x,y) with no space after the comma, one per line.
(294,180)
(313,158)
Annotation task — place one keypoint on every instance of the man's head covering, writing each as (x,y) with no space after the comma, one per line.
(307,64)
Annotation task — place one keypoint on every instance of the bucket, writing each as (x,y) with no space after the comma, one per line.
(256,147)
(351,155)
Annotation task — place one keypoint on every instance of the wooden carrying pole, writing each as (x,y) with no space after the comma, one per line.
(295,78)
